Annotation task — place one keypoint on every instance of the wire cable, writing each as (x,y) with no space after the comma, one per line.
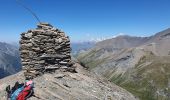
(29,10)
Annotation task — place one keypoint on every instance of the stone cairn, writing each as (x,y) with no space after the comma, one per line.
(45,49)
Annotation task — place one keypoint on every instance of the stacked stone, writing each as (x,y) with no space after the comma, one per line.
(45,49)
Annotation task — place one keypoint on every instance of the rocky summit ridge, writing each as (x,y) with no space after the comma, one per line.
(47,49)
(82,85)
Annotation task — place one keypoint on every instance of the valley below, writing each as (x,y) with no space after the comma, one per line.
(9,60)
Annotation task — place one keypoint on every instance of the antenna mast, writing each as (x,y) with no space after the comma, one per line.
(29,10)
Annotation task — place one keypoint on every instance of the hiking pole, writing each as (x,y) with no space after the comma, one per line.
(29,10)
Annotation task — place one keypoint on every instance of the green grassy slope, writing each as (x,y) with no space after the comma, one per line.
(149,79)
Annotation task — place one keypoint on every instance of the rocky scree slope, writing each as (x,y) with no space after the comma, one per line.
(82,85)
(9,60)
(140,65)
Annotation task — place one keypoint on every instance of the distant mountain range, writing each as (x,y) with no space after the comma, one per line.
(139,64)
(9,59)
(81,47)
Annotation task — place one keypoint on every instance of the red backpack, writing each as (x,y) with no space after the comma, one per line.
(27,92)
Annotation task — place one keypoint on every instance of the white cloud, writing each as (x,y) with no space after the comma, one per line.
(90,38)
(119,34)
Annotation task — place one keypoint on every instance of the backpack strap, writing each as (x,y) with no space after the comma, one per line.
(8,91)
(31,92)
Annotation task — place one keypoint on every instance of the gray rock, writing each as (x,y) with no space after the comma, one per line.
(28,35)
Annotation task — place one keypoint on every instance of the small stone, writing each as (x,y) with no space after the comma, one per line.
(59,40)
(59,76)
(28,35)
(62,62)
(27,45)
(36,49)
(64,67)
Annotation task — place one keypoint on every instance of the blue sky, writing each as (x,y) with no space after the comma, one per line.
(86,19)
